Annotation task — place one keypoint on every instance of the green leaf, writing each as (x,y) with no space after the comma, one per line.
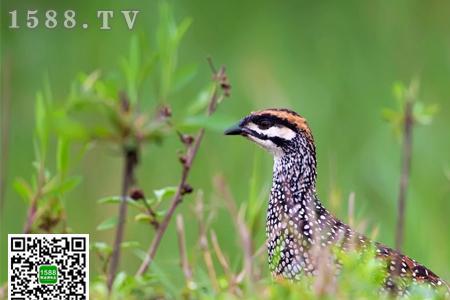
(88,81)
(119,281)
(62,155)
(182,29)
(103,248)
(56,188)
(108,223)
(67,128)
(161,212)
(129,244)
(112,200)
(135,55)
(118,200)
(69,184)
(92,114)
(424,114)
(399,91)
(107,89)
(169,36)
(163,193)
(22,188)
(131,69)
(143,218)
(147,68)
(150,201)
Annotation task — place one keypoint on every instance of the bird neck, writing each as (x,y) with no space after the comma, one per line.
(294,174)
(293,207)
(293,196)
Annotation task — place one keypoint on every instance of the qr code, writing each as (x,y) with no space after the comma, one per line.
(48,266)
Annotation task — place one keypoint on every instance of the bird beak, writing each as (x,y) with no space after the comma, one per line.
(234,130)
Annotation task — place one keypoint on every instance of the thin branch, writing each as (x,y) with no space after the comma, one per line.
(187,160)
(31,216)
(187,270)
(207,258)
(220,255)
(130,163)
(244,233)
(211,65)
(406,163)
(176,200)
(204,245)
(232,278)
(138,195)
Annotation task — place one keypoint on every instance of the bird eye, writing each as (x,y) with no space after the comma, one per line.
(265,124)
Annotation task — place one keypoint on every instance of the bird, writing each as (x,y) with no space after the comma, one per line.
(297,222)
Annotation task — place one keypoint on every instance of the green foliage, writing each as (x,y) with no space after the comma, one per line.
(422,113)
(23,189)
(169,35)
(63,153)
(57,186)
(131,69)
(45,191)
(117,199)
(361,275)
(164,193)
(108,223)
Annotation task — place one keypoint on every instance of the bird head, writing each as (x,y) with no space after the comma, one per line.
(279,131)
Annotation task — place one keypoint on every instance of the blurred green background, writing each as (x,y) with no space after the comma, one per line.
(333,62)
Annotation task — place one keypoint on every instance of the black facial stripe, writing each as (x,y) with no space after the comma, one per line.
(275,120)
(280,142)
(257,134)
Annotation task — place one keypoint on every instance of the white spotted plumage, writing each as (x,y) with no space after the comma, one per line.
(297,223)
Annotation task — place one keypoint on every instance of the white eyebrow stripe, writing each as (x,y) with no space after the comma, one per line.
(274,131)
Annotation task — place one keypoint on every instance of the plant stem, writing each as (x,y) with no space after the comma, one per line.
(151,252)
(241,226)
(131,161)
(31,215)
(406,167)
(187,270)
(203,244)
(221,81)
